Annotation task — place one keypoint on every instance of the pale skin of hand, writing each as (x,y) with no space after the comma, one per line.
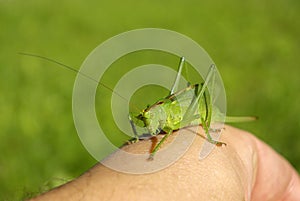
(245,169)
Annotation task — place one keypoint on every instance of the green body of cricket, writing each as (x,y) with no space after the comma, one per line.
(189,106)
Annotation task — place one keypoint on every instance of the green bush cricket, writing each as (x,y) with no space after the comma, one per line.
(186,107)
(189,106)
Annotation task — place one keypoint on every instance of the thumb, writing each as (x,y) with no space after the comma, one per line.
(270,176)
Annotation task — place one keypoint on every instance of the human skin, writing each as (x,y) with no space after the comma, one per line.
(245,169)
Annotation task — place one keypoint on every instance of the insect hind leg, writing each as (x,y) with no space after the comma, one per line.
(209,138)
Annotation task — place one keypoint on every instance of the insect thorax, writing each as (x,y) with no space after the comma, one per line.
(164,117)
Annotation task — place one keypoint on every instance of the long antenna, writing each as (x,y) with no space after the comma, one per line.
(76,71)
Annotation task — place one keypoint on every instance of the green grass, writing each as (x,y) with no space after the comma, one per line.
(255,45)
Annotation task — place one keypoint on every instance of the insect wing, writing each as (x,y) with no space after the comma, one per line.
(184,99)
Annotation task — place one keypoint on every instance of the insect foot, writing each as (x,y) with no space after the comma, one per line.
(220,144)
(216,129)
(133,141)
(151,158)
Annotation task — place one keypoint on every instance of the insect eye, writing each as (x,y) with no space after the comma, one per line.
(140,116)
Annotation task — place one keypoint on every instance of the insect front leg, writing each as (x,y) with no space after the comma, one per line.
(133,127)
(144,136)
(136,138)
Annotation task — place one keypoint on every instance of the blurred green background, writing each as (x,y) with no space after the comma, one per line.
(255,45)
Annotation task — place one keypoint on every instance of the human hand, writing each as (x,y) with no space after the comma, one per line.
(246,169)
